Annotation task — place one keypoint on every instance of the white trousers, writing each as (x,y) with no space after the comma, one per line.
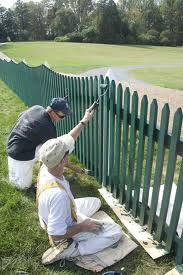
(90,243)
(20,172)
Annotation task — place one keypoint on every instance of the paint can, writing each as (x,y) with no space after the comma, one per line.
(112,273)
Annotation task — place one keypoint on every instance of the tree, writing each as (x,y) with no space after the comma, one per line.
(107,22)
(168,9)
(10,24)
(3,33)
(152,15)
(65,22)
(22,17)
(132,19)
(83,10)
(37,21)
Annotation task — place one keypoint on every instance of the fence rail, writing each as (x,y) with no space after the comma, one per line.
(126,151)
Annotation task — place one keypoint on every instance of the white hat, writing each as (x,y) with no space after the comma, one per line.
(53,150)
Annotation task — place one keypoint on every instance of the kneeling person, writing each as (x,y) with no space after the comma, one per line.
(70,229)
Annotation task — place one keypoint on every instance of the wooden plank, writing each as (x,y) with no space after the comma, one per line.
(106,136)
(159,166)
(68,99)
(179,252)
(170,173)
(117,150)
(82,113)
(124,145)
(112,92)
(140,154)
(100,132)
(67,118)
(154,249)
(87,136)
(76,113)
(91,127)
(95,132)
(176,271)
(132,151)
(149,160)
(78,96)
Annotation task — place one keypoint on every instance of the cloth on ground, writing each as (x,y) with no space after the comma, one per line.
(170,207)
(108,256)
(115,251)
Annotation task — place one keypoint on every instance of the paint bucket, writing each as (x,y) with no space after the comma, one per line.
(112,273)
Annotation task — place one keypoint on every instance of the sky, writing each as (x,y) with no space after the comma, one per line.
(9,3)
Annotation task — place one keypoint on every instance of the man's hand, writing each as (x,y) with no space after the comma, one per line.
(88,116)
(90,225)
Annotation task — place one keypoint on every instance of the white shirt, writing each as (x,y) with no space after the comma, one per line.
(54,205)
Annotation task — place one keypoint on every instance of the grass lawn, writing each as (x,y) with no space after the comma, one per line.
(164,77)
(22,241)
(80,57)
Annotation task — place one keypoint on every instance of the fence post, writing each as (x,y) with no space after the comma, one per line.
(124,145)
(106,135)
(111,133)
(115,177)
(149,160)
(140,154)
(131,166)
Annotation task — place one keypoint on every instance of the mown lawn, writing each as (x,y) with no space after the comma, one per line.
(22,241)
(80,57)
(163,77)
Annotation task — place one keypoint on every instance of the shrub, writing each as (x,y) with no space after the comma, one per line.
(64,38)
(179,38)
(151,37)
(75,37)
(89,35)
(130,39)
(167,38)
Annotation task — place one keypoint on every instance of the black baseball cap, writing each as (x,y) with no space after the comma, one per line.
(59,104)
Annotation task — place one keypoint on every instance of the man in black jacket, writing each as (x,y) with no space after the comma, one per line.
(34,127)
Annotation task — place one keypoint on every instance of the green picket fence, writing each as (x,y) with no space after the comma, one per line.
(125,152)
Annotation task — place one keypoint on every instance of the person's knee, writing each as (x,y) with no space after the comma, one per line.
(97,202)
(117,232)
(113,230)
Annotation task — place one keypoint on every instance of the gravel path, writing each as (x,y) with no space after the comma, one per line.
(120,74)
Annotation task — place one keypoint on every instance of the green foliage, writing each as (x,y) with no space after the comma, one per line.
(107,22)
(64,38)
(101,21)
(65,21)
(151,37)
(75,37)
(70,37)
(89,34)
(166,38)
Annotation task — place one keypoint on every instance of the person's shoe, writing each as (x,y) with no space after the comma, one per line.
(33,188)
(64,250)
